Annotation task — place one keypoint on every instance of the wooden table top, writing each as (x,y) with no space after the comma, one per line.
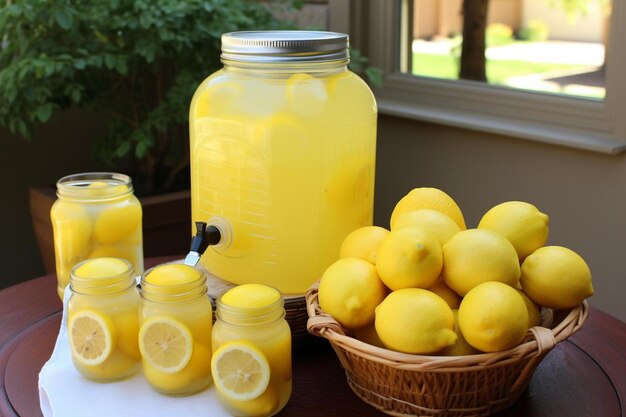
(584,376)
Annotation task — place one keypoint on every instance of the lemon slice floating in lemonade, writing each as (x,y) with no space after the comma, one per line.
(240,371)
(92,337)
(165,343)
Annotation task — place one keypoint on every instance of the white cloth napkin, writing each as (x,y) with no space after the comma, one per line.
(63,392)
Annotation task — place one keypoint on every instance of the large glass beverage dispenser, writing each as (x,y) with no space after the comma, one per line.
(283,142)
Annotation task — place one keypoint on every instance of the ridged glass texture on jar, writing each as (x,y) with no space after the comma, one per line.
(115,299)
(264,327)
(283,142)
(186,303)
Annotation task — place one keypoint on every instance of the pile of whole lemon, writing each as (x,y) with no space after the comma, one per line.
(431,286)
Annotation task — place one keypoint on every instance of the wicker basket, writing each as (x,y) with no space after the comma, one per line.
(400,384)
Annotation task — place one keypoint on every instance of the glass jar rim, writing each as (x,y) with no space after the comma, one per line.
(105,284)
(173,292)
(76,186)
(268,313)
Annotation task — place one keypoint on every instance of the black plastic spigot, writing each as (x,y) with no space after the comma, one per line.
(205,236)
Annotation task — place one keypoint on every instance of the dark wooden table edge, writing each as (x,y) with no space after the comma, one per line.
(9,341)
(607,355)
(610,355)
(34,329)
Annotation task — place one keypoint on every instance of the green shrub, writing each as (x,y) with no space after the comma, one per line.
(499,34)
(136,61)
(536,30)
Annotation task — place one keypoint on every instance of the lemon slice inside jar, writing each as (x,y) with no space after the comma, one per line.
(165,343)
(92,337)
(240,371)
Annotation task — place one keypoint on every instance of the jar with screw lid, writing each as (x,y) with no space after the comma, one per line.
(283,143)
(175,333)
(250,328)
(96,215)
(103,319)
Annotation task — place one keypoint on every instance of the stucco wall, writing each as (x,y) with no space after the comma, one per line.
(584,28)
(441,17)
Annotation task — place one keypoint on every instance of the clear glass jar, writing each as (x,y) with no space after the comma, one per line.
(264,326)
(283,147)
(174,297)
(103,319)
(96,215)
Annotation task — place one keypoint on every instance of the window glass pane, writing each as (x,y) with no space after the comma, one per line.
(554,46)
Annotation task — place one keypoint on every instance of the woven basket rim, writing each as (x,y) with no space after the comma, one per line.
(537,342)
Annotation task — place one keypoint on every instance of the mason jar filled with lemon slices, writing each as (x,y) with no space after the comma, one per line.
(175,333)
(102,319)
(96,215)
(251,363)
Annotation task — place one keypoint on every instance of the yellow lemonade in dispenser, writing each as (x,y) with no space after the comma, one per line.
(175,334)
(282,156)
(251,329)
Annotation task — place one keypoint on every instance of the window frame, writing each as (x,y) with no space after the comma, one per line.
(595,125)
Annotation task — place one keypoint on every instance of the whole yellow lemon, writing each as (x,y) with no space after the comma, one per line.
(409,258)
(556,277)
(428,198)
(442,290)
(478,255)
(263,405)
(414,320)
(350,290)
(250,296)
(363,243)
(127,328)
(431,221)
(521,223)
(72,229)
(493,317)
(368,335)
(110,251)
(172,274)
(461,347)
(101,268)
(192,378)
(117,222)
(534,312)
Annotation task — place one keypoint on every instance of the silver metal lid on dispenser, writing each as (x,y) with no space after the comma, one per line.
(285,46)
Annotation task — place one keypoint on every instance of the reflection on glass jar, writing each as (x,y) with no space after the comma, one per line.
(175,335)
(103,319)
(96,215)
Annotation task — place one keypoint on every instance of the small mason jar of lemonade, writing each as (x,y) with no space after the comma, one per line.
(251,363)
(283,148)
(103,319)
(96,215)
(175,333)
